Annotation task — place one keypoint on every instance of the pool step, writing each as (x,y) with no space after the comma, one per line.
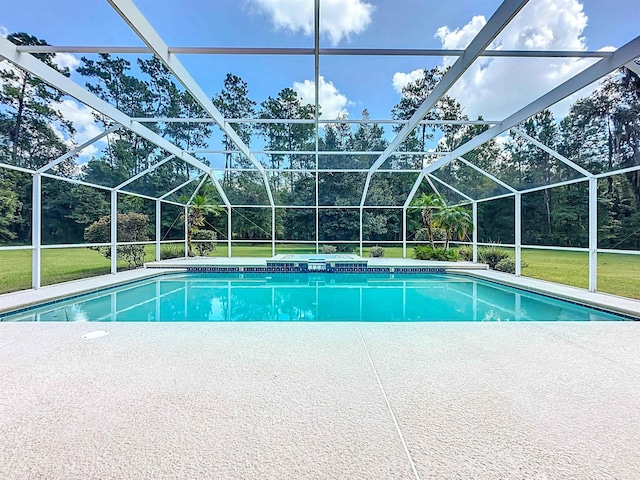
(317,266)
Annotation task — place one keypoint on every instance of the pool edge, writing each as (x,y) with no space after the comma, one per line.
(603,301)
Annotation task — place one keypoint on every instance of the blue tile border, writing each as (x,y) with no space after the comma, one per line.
(303,268)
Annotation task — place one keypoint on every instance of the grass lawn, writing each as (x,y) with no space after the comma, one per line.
(569,268)
(617,274)
(58,265)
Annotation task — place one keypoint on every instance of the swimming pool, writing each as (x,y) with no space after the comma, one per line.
(310,297)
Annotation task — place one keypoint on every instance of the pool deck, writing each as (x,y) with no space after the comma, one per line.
(320,400)
(554,400)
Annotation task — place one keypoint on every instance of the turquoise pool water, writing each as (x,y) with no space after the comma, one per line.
(310,297)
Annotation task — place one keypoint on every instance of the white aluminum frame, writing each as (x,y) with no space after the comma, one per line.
(608,61)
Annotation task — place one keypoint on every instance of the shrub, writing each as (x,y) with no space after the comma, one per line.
(427,252)
(466,253)
(132,254)
(172,250)
(376,251)
(132,227)
(206,243)
(328,249)
(507,265)
(492,256)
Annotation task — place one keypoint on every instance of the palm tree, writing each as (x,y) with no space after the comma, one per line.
(454,220)
(199,207)
(429,204)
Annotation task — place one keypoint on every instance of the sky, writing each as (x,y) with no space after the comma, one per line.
(493,88)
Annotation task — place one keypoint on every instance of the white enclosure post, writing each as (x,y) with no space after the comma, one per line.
(593,234)
(317,222)
(114,231)
(361,213)
(518,232)
(158,228)
(229,232)
(186,231)
(273,231)
(36,232)
(404,232)
(474,216)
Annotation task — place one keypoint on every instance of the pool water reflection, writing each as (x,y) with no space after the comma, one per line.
(311,297)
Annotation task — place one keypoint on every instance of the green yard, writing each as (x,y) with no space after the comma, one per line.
(617,274)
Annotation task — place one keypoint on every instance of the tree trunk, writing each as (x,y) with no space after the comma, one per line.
(547,204)
(16,131)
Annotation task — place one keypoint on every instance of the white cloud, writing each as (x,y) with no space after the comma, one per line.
(401,79)
(332,102)
(4,32)
(66,60)
(460,37)
(339,19)
(86,128)
(497,87)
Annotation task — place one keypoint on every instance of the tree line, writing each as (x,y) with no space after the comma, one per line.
(600,133)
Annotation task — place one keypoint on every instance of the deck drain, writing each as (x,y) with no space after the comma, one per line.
(96,334)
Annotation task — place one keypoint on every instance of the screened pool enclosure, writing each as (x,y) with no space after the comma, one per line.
(288,170)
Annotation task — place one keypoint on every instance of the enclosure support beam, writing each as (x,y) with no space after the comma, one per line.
(186,231)
(593,234)
(144,172)
(273,231)
(317,224)
(181,186)
(414,189)
(158,227)
(316,113)
(114,231)
(361,236)
(218,186)
(404,232)
(229,231)
(487,174)
(474,216)
(518,232)
(78,149)
(498,21)
(34,66)
(385,52)
(634,67)
(36,232)
(589,75)
(141,26)
(552,152)
(463,195)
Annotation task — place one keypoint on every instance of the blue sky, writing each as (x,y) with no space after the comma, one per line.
(350,83)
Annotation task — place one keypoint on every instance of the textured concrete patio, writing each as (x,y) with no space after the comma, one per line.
(337,400)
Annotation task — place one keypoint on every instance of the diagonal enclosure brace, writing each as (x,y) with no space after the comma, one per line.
(139,24)
(144,172)
(487,174)
(453,189)
(620,57)
(77,149)
(552,152)
(181,186)
(498,21)
(54,78)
